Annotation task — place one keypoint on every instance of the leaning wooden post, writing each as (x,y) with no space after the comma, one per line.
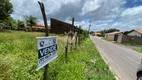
(46,34)
(73,25)
(76,38)
(89,28)
(66,52)
(44,18)
(72,29)
(79,35)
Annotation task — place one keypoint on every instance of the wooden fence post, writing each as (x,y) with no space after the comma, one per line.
(76,38)
(46,34)
(73,25)
(66,52)
(79,35)
(72,29)
(89,28)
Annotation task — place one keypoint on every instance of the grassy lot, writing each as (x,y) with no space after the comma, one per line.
(136,47)
(18,60)
(132,44)
(138,50)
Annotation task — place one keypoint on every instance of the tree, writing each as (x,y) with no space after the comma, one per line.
(112,30)
(108,31)
(6,8)
(9,22)
(30,20)
(91,32)
(14,24)
(20,24)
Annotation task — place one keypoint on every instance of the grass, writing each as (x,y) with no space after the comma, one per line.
(18,60)
(137,46)
(132,44)
(138,50)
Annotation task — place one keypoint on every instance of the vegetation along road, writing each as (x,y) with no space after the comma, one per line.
(18,59)
(123,61)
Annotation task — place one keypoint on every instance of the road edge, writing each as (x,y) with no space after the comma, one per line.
(111,69)
(105,60)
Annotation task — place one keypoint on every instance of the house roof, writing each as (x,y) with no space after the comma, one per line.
(39,26)
(97,33)
(139,31)
(34,27)
(127,32)
(116,32)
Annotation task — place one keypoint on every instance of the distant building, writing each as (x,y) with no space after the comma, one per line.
(137,33)
(133,36)
(97,34)
(37,27)
(113,35)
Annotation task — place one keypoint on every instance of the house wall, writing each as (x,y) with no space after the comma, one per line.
(126,38)
(134,33)
(112,36)
(120,38)
(109,36)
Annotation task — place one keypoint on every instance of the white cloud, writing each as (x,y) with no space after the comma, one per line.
(99,27)
(90,6)
(58,9)
(99,9)
(100,12)
(132,11)
(103,9)
(130,19)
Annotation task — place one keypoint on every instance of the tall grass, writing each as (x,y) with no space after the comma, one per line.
(137,47)
(18,55)
(132,44)
(18,60)
(138,50)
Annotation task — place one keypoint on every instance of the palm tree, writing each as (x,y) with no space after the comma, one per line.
(30,20)
(20,24)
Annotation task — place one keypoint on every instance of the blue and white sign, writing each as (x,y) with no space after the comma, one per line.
(47,50)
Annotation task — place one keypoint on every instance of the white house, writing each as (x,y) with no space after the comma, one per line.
(137,33)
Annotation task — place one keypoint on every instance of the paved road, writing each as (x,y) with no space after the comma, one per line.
(123,61)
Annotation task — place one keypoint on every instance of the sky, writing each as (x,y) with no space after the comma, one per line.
(101,14)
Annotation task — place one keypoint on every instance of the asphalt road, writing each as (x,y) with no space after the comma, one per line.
(123,61)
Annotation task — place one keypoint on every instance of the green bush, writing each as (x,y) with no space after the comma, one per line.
(84,35)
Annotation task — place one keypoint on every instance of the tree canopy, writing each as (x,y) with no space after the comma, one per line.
(6,8)
(30,20)
(20,24)
(109,30)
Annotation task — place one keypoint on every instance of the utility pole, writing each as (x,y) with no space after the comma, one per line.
(89,27)
(73,24)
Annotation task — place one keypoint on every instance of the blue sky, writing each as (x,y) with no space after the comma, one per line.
(133,3)
(103,14)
